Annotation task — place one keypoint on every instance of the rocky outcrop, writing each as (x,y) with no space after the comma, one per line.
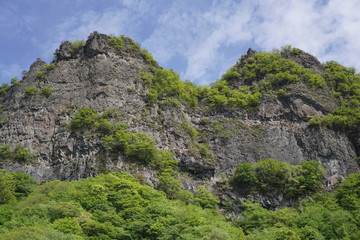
(304,59)
(101,76)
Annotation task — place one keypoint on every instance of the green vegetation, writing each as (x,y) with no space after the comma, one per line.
(272,177)
(257,75)
(323,216)
(221,96)
(14,186)
(19,154)
(46,91)
(138,148)
(125,44)
(189,130)
(15,81)
(117,42)
(3,88)
(31,91)
(117,206)
(49,67)
(75,46)
(345,85)
(41,75)
(276,71)
(111,206)
(165,84)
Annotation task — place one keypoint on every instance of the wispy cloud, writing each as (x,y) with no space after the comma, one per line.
(199,39)
(328,30)
(9,71)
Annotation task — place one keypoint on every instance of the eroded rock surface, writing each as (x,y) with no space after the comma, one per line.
(97,75)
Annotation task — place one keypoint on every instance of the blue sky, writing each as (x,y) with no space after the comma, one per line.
(199,39)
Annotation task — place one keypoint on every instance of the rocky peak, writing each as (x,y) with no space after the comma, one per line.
(38,65)
(96,44)
(65,51)
(106,73)
(305,59)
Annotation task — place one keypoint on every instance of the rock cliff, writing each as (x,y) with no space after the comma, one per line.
(102,74)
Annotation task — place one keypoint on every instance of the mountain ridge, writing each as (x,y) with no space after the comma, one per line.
(245,117)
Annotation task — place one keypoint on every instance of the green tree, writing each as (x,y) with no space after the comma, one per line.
(46,91)
(31,91)
(84,119)
(245,176)
(272,175)
(204,198)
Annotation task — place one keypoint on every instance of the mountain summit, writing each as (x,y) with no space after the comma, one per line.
(105,105)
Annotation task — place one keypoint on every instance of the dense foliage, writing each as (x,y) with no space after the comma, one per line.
(165,85)
(272,177)
(243,84)
(111,206)
(117,206)
(345,85)
(324,216)
(220,95)
(125,44)
(253,76)
(273,70)
(18,154)
(138,148)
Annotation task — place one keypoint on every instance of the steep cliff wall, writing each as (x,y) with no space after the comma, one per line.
(103,75)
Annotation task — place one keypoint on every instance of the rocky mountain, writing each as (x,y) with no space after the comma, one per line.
(260,109)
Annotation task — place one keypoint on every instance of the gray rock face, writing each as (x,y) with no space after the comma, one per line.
(304,59)
(98,76)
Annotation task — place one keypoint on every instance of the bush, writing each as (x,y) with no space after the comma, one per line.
(189,130)
(205,199)
(270,176)
(15,81)
(84,119)
(164,83)
(4,87)
(22,155)
(15,186)
(221,96)
(41,74)
(67,225)
(348,195)
(148,57)
(75,46)
(19,154)
(50,66)
(140,147)
(5,153)
(46,91)
(244,175)
(117,42)
(31,91)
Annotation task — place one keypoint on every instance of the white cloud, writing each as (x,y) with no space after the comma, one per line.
(197,32)
(329,31)
(9,71)
(80,27)
(127,19)
(229,27)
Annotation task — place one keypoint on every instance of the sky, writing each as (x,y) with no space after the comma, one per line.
(199,39)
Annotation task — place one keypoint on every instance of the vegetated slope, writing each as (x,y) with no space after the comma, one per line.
(117,206)
(106,105)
